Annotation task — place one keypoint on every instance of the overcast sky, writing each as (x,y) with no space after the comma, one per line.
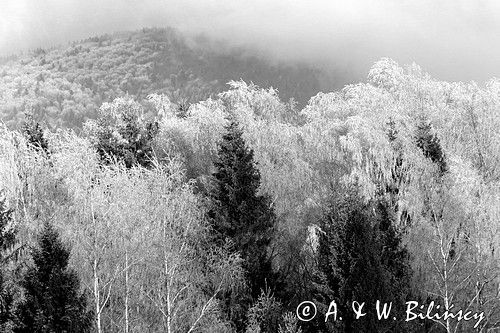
(451,39)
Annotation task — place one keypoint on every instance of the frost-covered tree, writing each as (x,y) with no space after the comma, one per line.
(34,133)
(122,133)
(7,241)
(265,314)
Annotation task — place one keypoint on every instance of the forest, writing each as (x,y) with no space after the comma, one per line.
(64,86)
(130,204)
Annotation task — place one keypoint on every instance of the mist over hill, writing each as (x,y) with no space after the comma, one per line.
(253,164)
(455,40)
(64,86)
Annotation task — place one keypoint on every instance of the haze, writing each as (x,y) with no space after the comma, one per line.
(455,40)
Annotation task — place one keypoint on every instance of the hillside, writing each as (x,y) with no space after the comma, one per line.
(397,176)
(64,86)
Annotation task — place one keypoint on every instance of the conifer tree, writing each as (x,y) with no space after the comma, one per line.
(242,216)
(53,302)
(429,143)
(7,241)
(238,212)
(361,259)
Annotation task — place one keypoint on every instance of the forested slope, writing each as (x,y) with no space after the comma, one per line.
(226,217)
(66,85)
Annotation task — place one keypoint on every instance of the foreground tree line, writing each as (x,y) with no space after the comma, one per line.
(226,217)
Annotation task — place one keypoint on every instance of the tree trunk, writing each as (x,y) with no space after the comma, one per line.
(126,293)
(97,298)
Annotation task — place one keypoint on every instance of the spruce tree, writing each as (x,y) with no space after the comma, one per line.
(53,302)
(238,213)
(243,217)
(360,258)
(7,241)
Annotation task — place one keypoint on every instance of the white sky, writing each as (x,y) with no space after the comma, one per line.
(451,39)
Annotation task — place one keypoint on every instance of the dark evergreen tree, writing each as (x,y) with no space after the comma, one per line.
(33,132)
(361,258)
(240,215)
(53,302)
(395,257)
(429,143)
(238,212)
(7,242)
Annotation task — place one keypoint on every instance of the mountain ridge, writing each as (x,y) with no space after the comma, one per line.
(64,86)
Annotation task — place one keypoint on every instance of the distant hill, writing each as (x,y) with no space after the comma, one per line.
(62,87)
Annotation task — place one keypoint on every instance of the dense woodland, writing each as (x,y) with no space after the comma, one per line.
(224,214)
(65,86)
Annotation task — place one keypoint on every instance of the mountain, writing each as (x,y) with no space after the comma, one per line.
(64,86)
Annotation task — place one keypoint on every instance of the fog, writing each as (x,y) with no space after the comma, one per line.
(451,39)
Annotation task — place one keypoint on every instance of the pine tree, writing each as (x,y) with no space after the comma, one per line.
(7,241)
(243,217)
(53,302)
